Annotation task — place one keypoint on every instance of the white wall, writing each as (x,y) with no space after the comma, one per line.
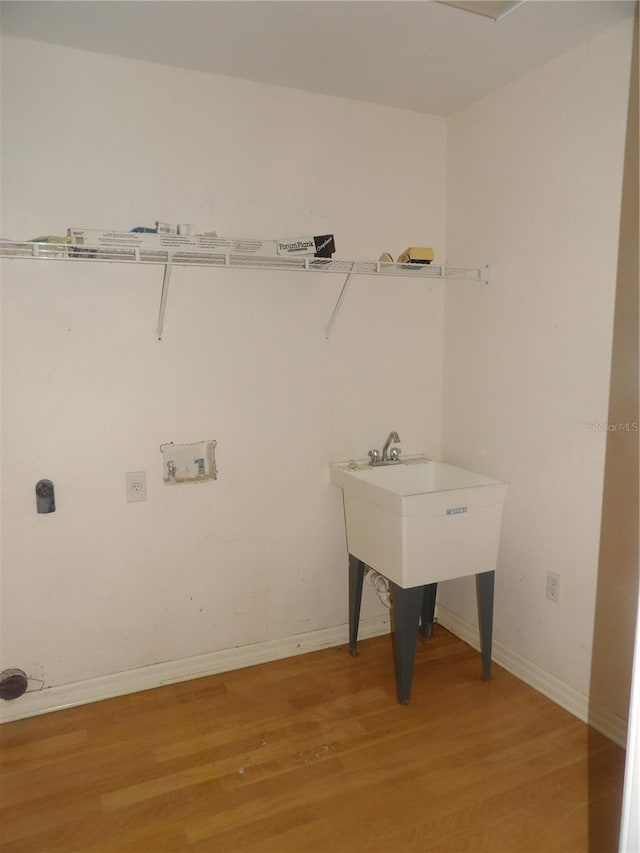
(534,187)
(104,586)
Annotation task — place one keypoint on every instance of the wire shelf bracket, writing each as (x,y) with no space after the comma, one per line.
(164,295)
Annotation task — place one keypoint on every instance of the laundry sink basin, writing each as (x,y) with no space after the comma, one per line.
(419,521)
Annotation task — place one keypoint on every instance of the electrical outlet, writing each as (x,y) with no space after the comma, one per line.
(553,587)
(136,486)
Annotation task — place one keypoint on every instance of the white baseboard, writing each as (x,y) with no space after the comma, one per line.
(56,698)
(147,677)
(578,704)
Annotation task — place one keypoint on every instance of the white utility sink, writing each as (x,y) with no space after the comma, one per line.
(419,521)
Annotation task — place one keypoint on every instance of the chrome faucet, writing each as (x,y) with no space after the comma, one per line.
(389,457)
(393,436)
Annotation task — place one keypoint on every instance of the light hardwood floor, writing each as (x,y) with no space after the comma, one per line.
(314,754)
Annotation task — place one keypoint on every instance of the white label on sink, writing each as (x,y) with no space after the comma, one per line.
(456,510)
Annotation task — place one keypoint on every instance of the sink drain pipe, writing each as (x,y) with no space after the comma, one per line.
(380,584)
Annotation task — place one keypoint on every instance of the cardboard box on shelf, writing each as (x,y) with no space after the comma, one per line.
(114,239)
(322,246)
(416,255)
(319,247)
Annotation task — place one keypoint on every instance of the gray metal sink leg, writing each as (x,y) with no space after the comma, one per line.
(484,592)
(356,578)
(406,608)
(428,609)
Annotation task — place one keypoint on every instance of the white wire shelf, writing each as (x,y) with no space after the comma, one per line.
(169,258)
(164,257)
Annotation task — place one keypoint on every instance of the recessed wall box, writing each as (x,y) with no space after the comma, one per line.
(189,463)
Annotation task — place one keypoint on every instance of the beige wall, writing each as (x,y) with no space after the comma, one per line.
(534,184)
(88,393)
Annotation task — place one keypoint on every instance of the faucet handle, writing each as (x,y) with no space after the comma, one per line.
(374,457)
(394,454)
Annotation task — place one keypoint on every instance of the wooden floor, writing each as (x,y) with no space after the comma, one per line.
(313,754)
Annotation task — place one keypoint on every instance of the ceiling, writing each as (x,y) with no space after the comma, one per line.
(417,55)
